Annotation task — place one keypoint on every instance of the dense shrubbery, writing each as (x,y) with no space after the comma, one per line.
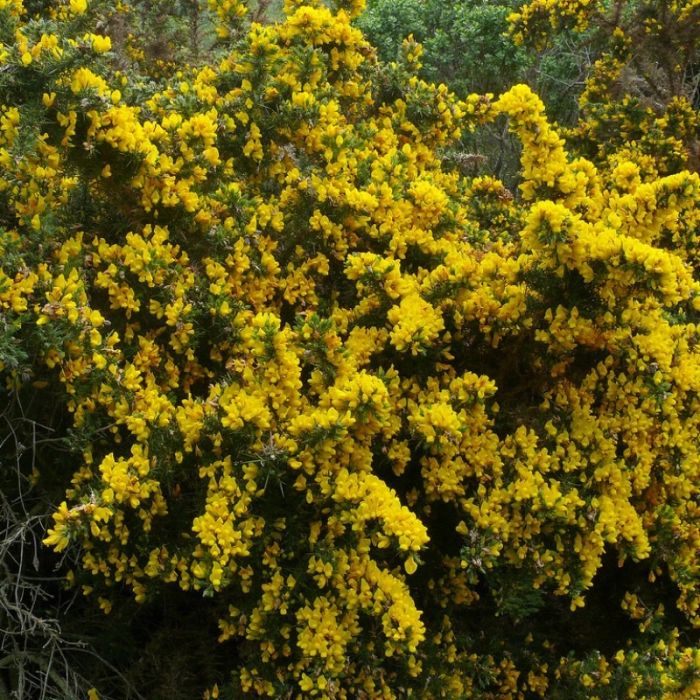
(464,42)
(318,414)
(642,92)
(619,77)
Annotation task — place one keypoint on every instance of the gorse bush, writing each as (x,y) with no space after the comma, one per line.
(390,430)
(642,90)
(619,77)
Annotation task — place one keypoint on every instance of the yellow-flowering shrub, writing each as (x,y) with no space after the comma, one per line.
(394,425)
(640,99)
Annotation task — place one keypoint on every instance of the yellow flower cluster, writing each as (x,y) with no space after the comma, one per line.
(535,20)
(652,120)
(328,381)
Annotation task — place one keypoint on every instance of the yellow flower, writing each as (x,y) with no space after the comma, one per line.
(78,7)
